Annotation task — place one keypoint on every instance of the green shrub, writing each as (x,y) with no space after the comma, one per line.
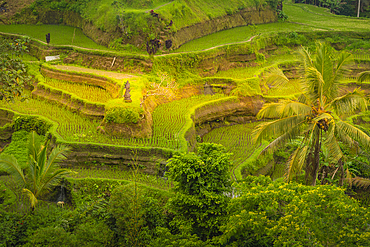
(122,115)
(12,230)
(18,147)
(31,123)
(52,236)
(87,190)
(7,197)
(138,211)
(267,213)
(93,234)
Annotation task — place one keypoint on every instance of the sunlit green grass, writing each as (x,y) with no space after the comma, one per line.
(59,35)
(298,13)
(239,34)
(84,91)
(301,18)
(287,55)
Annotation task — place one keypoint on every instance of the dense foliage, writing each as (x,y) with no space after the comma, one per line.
(13,71)
(267,213)
(42,168)
(202,189)
(317,115)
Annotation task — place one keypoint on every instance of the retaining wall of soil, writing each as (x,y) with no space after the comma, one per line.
(109,85)
(210,117)
(244,17)
(75,104)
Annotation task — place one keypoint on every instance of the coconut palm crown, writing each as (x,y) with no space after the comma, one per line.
(42,172)
(316,115)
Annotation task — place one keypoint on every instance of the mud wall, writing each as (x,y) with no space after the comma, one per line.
(92,110)
(147,159)
(93,80)
(214,116)
(244,17)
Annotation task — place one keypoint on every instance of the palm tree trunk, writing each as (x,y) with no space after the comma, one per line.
(316,159)
(358,8)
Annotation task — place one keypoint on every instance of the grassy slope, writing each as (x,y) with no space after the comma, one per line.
(304,14)
(59,35)
(301,18)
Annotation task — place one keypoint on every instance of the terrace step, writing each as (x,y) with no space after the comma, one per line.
(72,106)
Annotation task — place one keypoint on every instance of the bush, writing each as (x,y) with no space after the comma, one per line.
(52,236)
(31,123)
(125,115)
(137,212)
(267,213)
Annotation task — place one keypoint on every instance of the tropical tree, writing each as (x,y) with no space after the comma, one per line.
(317,115)
(202,187)
(42,172)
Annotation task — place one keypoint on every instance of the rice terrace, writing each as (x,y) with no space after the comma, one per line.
(184,123)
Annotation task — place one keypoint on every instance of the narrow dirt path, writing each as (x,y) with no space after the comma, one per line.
(211,48)
(159,6)
(115,75)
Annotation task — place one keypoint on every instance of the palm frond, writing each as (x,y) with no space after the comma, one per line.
(363,76)
(34,145)
(31,197)
(269,110)
(306,58)
(333,149)
(275,77)
(57,155)
(323,116)
(349,103)
(289,135)
(352,132)
(41,161)
(361,182)
(323,64)
(51,180)
(296,162)
(290,108)
(276,128)
(283,108)
(339,72)
(314,84)
(10,164)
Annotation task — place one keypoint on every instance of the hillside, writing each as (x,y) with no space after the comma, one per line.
(126,24)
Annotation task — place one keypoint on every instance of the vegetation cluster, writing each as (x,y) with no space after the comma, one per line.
(293,168)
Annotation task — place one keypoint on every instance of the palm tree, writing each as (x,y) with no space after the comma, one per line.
(42,172)
(316,115)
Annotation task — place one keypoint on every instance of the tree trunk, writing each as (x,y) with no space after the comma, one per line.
(342,172)
(358,8)
(316,159)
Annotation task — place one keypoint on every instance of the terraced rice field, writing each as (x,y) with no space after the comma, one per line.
(83,91)
(236,139)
